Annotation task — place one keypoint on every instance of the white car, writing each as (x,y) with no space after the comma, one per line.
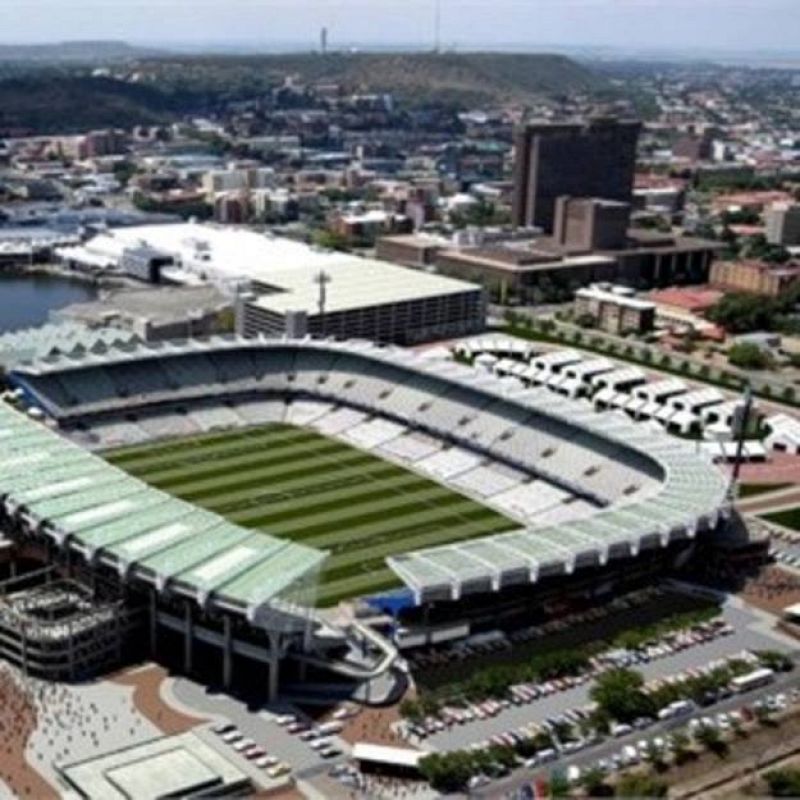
(223,727)
(242,745)
(321,744)
(278,770)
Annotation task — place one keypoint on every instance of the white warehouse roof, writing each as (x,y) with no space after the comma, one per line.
(232,257)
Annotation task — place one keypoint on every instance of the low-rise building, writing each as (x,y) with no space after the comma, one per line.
(756,277)
(614,311)
(176,312)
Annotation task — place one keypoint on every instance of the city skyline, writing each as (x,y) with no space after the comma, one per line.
(620,24)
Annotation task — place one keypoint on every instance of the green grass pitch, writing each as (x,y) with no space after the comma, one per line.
(296,484)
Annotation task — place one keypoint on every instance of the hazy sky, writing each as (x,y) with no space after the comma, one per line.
(729,24)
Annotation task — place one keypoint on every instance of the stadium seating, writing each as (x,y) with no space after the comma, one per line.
(260,411)
(303,412)
(410,447)
(214,417)
(373,433)
(371,403)
(166,423)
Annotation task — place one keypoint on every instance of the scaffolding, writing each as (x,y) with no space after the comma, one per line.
(62,629)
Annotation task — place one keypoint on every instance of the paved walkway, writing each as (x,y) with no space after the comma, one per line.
(147,683)
(780,468)
(79,721)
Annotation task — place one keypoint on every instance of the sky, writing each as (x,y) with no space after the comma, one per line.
(733,25)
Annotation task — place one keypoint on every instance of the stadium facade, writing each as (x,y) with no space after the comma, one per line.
(627,491)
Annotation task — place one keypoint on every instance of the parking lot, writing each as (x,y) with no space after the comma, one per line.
(750,633)
(260,725)
(606,750)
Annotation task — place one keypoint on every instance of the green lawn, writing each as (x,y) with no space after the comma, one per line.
(789,518)
(753,489)
(297,484)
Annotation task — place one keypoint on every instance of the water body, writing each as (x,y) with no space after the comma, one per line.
(27,300)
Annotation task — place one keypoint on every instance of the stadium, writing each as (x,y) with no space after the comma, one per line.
(235,492)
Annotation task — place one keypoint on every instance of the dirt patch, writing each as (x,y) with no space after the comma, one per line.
(772,590)
(18,720)
(761,746)
(147,698)
(374,725)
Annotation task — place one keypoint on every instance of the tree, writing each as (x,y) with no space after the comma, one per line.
(448,772)
(741,312)
(759,248)
(655,756)
(411,710)
(331,240)
(619,693)
(637,784)
(124,171)
(559,785)
(681,749)
(765,716)
(712,740)
(594,783)
(747,355)
(775,660)
(783,782)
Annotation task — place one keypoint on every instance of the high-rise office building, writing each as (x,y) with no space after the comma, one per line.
(596,158)
(782,222)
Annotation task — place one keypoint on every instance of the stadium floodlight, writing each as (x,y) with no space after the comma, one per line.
(322,279)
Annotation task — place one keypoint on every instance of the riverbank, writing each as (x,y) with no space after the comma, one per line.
(52,270)
(30,298)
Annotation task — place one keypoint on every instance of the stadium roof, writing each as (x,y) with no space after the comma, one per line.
(79,499)
(692,495)
(31,344)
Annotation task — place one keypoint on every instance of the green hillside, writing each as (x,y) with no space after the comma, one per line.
(417,77)
(64,99)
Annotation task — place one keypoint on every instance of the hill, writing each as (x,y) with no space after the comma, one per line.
(85,52)
(63,98)
(46,103)
(463,78)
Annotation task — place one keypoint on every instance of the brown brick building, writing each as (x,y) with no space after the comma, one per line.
(754,276)
(596,158)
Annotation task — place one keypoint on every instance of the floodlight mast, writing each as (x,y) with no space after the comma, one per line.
(322,279)
(741,422)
